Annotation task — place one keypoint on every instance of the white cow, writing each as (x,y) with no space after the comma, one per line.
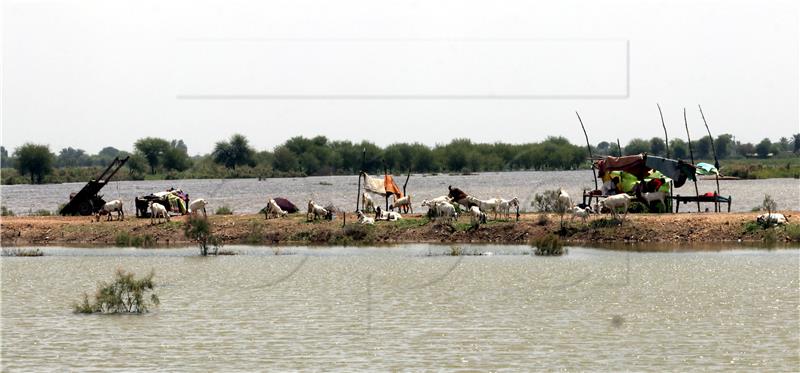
(109,207)
(198,205)
(773,219)
(274,210)
(157,211)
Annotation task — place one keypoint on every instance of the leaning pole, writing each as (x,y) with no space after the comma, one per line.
(716,161)
(589,148)
(666,137)
(691,155)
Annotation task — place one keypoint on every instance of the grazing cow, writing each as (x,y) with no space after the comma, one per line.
(363,219)
(273,210)
(615,201)
(404,204)
(109,207)
(367,204)
(505,206)
(198,205)
(315,211)
(477,217)
(157,211)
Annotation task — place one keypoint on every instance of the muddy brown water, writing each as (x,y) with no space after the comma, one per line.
(250,195)
(410,307)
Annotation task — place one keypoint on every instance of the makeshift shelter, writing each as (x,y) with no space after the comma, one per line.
(384,187)
(641,165)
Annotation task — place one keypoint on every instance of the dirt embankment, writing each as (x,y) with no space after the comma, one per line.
(254,229)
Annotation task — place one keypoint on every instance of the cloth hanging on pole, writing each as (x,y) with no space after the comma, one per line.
(383,186)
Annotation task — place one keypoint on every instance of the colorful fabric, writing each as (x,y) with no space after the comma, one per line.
(383,186)
(707,169)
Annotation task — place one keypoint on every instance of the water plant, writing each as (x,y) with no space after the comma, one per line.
(548,244)
(224,210)
(22,252)
(198,229)
(126,294)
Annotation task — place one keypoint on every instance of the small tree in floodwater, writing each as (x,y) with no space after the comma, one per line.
(769,204)
(125,295)
(198,229)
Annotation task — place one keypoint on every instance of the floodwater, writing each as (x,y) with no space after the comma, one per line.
(250,195)
(410,307)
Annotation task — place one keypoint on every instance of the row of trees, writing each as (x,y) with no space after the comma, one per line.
(320,156)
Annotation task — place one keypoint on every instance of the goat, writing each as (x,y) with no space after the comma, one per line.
(403,203)
(273,210)
(485,206)
(654,196)
(477,217)
(386,215)
(446,210)
(432,202)
(109,207)
(157,211)
(367,204)
(315,211)
(197,205)
(772,219)
(582,213)
(617,200)
(363,219)
(563,199)
(505,206)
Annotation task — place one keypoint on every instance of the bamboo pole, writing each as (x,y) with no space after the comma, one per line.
(691,154)
(619,148)
(406,183)
(589,148)
(717,207)
(666,137)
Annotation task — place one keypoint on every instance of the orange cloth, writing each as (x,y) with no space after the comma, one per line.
(391,187)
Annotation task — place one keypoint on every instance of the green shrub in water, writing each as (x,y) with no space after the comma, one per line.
(198,229)
(125,295)
(224,210)
(548,244)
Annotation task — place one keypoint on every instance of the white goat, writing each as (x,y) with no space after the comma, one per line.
(563,198)
(274,210)
(505,206)
(617,200)
(654,196)
(315,211)
(446,210)
(581,213)
(433,202)
(367,204)
(109,207)
(476,216)
(198,205)
(485,205)
(157,211)
(380,214)
(363,219)
(404,203)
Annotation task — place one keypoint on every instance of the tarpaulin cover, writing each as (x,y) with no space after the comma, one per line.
(641,164)
(383,187)
(706,169)
(632,164)
(286,205)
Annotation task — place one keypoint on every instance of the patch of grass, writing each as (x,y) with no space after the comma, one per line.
(227,252)
(5,211)
(543,219)
(604,223)
(22,252)
(224,210)
(751,227)
(354,232)
(42,212)
(410,223)
(548,244)
(125,239)
(793,232)
(770,236)
(125,295)
(255,235)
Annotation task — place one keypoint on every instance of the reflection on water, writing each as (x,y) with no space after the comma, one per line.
(250,195)
(410,307)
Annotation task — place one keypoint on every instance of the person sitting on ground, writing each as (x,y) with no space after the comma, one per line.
(610,186)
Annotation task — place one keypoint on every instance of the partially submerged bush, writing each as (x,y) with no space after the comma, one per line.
(22,252)
(455,251)
(546,202)
(549,244)
(125,295)
(224,210)
(5,211)
(125,239)
(198,229)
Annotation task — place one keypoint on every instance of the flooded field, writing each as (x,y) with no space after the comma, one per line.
(250,195)
(410,307)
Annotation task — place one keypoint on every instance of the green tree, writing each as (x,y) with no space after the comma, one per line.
(35,160)
(724,145)
(702,148)
(175,157)
(152,149)
(658,147)
(285,160)
(69,157)
(235,152)
(678,149)
(763,148)
(796,143)
(636,146)
(4,159)
(137,166)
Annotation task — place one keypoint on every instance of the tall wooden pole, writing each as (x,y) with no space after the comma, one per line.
(666,137)
(589,148)
(406,183)
(363,160)
(716,161)
(691,154)
(619,148)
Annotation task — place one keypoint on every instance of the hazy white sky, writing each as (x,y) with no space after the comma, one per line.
(90,74)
